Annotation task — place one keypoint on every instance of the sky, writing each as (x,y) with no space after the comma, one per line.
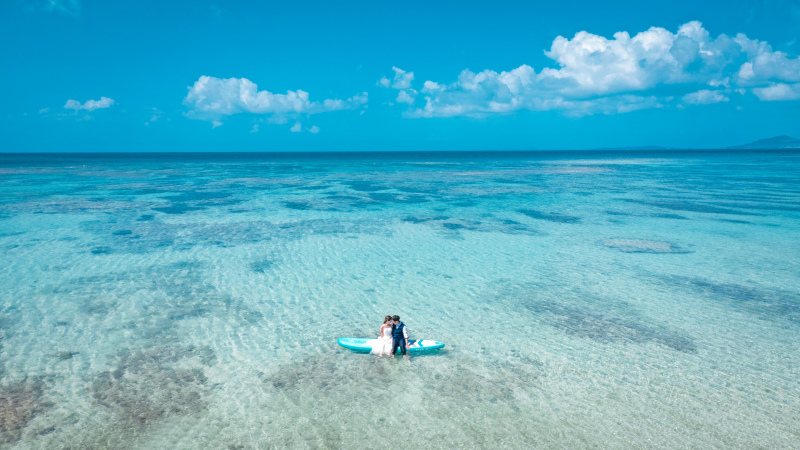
(175,76)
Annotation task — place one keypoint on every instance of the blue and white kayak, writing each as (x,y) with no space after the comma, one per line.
(414,345)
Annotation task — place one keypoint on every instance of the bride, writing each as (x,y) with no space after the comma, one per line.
(383,345)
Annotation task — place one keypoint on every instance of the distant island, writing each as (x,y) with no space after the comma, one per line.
(776,142)
(773,143)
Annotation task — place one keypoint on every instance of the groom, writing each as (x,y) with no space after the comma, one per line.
(399,336)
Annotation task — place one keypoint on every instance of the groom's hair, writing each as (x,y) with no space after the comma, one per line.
(396,318)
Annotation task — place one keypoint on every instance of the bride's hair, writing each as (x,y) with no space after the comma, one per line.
(387,318)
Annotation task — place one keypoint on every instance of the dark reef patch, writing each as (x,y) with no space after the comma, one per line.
(366,186)
(145,218)
(320,372)
(147,191)
(261,266)
(313,187)
(198,196)
(586,316)
(604,329)
(415,219)
(453,226)
(344,198)
(656,215)
(551,217)
(155,235)
(643,246)
(20,402)
(419,189)
(165,294)
(349,201)
(678,205)
(300,206)
(177,208)
(122,233)
(766,206)
(101,250)
(65,356)
(464,203)
(669,216)
(773,303)
(447,381)
(150,384)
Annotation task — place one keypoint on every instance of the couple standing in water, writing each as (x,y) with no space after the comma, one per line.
(393,335)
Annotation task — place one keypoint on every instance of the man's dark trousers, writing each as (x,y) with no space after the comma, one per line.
(398,343)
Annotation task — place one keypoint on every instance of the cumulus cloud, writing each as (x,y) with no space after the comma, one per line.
(406,96)
(212,98)
(704,97)
(764,65)
(595,74)
(314,129)
(90,105)
(778,92)
(401,80)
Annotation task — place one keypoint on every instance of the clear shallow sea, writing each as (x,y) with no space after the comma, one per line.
(611,300)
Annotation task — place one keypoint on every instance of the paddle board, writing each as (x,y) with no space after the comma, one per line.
(414,345)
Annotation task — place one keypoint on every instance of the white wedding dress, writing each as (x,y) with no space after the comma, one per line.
(382,345)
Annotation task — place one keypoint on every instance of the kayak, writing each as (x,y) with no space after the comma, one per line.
(414,345)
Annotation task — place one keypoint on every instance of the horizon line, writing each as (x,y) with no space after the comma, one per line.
(348,152)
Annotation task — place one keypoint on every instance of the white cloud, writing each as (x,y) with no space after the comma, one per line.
(431,86)
(254,129)
(725,82)
(212,98)
(406,96)
(297,128)
(595,74)
(401,80)
(778,92)
(68,7)
(90,105)
(704,97)
(44,110)
(765,65)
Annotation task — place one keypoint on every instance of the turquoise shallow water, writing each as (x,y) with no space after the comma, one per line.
(610,300)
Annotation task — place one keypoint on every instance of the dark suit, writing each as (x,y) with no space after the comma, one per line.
(398,338)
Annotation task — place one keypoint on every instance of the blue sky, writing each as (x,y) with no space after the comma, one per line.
(316,76)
